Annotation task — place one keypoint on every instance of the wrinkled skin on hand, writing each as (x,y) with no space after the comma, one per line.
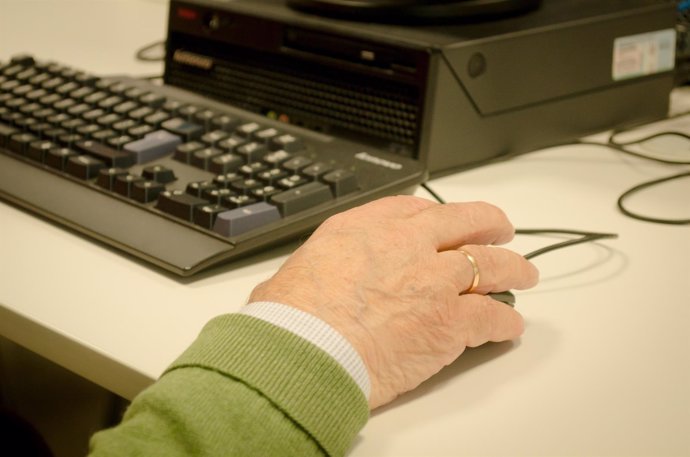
(389,277)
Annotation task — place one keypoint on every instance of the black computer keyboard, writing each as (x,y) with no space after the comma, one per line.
(181,181)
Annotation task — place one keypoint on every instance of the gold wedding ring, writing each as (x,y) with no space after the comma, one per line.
(475,271)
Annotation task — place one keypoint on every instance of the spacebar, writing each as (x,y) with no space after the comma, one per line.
(145,234)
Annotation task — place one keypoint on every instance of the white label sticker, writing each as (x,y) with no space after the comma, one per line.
(644,54)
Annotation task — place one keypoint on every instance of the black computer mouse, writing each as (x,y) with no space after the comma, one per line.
(506,297)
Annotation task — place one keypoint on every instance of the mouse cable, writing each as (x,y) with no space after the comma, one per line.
(621,147)
(433,193)
(644,185)
(146,54)
(584,236)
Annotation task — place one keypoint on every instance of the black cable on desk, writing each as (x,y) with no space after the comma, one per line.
(144,53)
(621,146)
(644,185)
(584,236)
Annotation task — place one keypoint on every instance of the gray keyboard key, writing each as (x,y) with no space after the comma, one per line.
(153,145)
(241,220)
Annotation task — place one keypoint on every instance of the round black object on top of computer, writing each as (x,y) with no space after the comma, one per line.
(414,11)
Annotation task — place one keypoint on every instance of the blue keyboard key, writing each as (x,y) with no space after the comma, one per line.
(241,220)
(153,146)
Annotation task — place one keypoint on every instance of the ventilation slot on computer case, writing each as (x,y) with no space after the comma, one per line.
(380,112)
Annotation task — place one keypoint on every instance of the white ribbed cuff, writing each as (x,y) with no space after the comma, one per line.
(317,332)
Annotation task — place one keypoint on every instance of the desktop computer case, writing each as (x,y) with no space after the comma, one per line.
(452,95)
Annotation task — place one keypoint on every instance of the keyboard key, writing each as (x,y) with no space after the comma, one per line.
(124,184)
(153,146)
(225,163)
(184,152)
(243,186)
(265,135)
(272,176)
(78,110)
(157,118)
(39,79)
(93,114)
(214,137)
(225,122)
(40,128)
(252,170)
(95,97)
(296,163)
(197,188)
(292,181)
(124,125)
(204,117)
(37,150)
(65,139)
(84,166)
(26,123)
(205,216)
(316,170)
(341,182)
(246,130)
(158,173)
(265,193)
(304,197)
(81,93)
(39,94)
(287,142)
(172,106)
(119,141)
(241,220)
(111,156)
(135,92)
(72,125)
(188,112)
(238,201)
(66,88)
(57,158)
(216,195)
(146,191)
(85,79)
(53,83)
(152,100)
(252,152)
(202,157)
(140,114)
(106,177)
(109,103)
(232,143)
(225,180)
(179,204)
(109,119)
(6,131)
(19,142)
(140,131)
(183,128)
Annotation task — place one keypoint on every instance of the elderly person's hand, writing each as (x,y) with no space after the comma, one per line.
(391,278)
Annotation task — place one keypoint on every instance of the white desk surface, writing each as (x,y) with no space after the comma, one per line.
(604,365)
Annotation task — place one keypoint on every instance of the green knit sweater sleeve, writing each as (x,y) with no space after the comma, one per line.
(243,388)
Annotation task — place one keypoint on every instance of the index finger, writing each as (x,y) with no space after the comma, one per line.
(399,206)
(455,224)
